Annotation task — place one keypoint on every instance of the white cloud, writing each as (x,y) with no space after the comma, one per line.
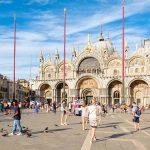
(43,2)
(52,25)
(108,16)
(5,1)
(45,32)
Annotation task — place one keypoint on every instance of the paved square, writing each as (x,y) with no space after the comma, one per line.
(116,132)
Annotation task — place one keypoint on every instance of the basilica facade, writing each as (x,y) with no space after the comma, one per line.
(96,72)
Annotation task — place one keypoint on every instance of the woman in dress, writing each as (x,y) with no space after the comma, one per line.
(93,111)
(63,113)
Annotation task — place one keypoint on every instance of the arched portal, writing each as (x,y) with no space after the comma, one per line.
(60,92)
(46,92)
(88,88)
(138,91)
(114,92)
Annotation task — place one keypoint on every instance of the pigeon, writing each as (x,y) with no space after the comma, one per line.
(28,134)
(56,125)
(9,125)
(25,130)
(2,130)
(25,127)
(46,129)
(5,134)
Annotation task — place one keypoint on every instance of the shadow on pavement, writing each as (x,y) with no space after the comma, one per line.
(145,128)
(6,120)
(75,123)
(112,123)
(50,131)
(115,136)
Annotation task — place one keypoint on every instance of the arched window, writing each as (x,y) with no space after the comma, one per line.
(116,94)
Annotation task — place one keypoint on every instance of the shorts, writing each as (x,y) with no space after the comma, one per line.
(84,118)
(63,112)
(93,123)
(136,119)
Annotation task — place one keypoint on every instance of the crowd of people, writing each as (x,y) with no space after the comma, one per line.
(124,108)
(7,106)
(91,113)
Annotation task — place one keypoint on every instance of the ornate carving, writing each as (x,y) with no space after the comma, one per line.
(87,65)
(137,62)
(115,63)
(87,83)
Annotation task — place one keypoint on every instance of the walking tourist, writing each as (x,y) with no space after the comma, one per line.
(99,113)
(17,118)
(63,113)
(47,107)
(36,108)
(1,106)
(6,108)
(54,106)
(70,108)
(84,109)
(113,108)
(136,116)
(92,110)
(104,109)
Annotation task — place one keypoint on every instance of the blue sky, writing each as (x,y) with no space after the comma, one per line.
(40,27)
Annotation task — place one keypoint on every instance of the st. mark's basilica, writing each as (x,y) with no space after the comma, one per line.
(96,72)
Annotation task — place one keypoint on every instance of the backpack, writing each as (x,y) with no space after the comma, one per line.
(138,111)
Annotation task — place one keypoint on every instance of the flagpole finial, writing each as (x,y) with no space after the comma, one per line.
(65,10)
(123,2)
(101,29)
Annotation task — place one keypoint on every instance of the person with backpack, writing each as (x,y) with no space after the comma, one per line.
(136,116)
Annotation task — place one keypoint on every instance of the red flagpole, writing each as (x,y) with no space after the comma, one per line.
(14,55)
(123,55)
(64,52)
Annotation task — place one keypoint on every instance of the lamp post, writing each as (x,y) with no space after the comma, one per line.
(64,53)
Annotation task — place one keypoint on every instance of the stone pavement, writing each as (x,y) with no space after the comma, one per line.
(115,133)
